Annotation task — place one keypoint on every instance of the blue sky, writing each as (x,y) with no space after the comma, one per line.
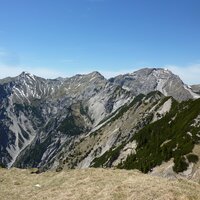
(54,38)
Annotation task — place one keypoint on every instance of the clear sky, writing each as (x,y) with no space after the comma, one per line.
(63,37)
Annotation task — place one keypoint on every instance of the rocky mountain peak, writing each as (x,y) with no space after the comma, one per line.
(25,74)
(151,79)
(96,74)
(153,71)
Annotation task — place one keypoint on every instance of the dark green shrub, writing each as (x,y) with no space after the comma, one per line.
(192,158)
(180,164)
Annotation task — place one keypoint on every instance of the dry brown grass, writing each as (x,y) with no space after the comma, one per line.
(93,184)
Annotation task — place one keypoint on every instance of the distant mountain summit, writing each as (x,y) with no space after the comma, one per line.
(152,79)
(87,120)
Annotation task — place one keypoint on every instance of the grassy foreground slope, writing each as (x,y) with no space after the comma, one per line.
(93,184)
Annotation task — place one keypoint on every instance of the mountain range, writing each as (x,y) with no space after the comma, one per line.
(147,120)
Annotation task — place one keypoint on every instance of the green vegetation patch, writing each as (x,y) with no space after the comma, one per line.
(166,138)
(108,157)
(34,155)
(34,110)
(69,126)
(192,158)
